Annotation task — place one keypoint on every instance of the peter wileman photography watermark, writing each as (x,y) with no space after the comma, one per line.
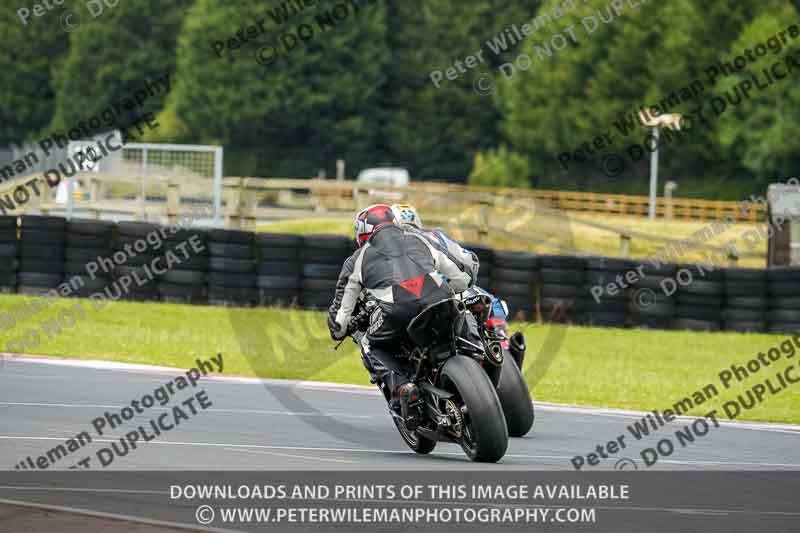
(284,44)
(543,49)
(113,291)
(144,432)
(613,164)
(111,116)
(503,41)
(79,161)
(779,380)
(684,276)
(70,20)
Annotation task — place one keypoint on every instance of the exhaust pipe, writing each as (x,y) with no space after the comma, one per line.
(495,353)
(517,348)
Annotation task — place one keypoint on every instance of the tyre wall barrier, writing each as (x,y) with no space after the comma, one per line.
(237,268)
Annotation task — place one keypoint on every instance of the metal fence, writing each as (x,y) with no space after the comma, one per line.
(144,167)
(141,172)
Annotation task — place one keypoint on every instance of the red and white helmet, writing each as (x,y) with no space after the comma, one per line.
(369,219)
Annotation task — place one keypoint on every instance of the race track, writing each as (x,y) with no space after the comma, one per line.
(266,425)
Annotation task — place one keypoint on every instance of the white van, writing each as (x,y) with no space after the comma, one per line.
(391,177)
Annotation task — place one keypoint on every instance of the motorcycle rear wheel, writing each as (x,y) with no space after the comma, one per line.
(420,444)
(485,434)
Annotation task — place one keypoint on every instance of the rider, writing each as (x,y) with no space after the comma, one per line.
(407,214)
(403,273)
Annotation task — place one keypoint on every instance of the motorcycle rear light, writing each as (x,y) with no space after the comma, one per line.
(492,322)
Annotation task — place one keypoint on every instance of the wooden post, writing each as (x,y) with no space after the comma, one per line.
(340,168)
(483,222)
(231,203)
(173,200)
(95,188)
(237,217)
(143,187)
(249,203)
(624,245)
(316,198)
(733,259)
(93,185)
(669,187)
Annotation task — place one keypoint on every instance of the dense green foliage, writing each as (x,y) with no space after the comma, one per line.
(318,101)
(367,81)
(29,57)
(637,60)
(111,55)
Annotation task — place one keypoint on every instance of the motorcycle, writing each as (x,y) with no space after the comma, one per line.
(455,400)
(503,369)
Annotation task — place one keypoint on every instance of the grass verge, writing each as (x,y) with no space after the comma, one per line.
(566,230)
(631,369)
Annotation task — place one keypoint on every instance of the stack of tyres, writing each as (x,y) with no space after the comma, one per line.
(88,243)
(136,249)
(232,276)
(745,300)
(784,300)
(279,268)
(322,257)
(41,254)
(513,278)
(8,254)
(486,258)
(185,259)
(700,297)
(651,306)
(563,297)
(606,303)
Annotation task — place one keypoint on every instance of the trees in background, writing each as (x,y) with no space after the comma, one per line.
(637,60)
(359,86)
(318,101)
(436,128)
(763,132)
(112,54)
(29,56)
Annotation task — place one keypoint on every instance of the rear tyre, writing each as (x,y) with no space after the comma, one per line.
(515,399)
(485,438)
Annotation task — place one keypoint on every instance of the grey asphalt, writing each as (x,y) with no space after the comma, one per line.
(290,426)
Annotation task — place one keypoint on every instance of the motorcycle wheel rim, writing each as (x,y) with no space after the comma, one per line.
(409,436)
(467,436)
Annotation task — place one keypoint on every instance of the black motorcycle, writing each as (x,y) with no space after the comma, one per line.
(456,400)
(491,330)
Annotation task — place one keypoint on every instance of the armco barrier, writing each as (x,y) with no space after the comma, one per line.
(38,254)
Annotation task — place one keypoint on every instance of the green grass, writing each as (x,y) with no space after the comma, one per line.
(633,369)
(337,226)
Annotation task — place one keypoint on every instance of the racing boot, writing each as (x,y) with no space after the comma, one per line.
(516,346)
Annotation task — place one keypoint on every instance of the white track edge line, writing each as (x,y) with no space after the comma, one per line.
(113,516)
(364,389)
